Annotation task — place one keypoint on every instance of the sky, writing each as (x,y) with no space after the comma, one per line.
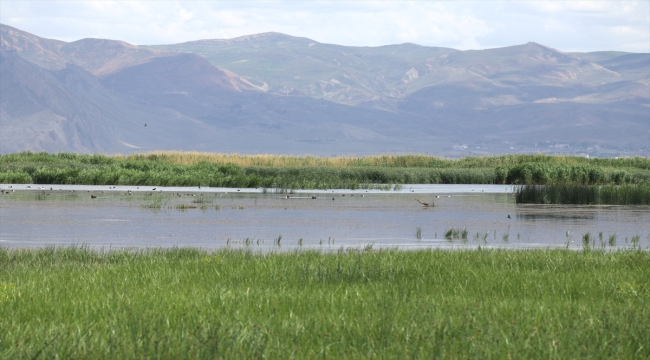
(572,26)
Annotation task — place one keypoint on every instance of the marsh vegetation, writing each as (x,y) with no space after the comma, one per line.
(577,194)
(357,303)
(289,172)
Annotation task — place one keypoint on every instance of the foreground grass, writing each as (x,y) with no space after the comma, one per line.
(271,171)
(184,303)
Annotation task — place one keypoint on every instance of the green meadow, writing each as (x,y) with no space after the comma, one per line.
(293,172)
(187,303)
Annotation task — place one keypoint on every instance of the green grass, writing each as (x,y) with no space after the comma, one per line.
(286,172)
(576,194)
(186,303)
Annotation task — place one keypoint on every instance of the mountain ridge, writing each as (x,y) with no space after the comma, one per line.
(273,92)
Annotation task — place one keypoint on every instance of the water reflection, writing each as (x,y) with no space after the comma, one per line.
(554,216)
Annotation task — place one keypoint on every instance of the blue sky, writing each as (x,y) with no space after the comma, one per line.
(565,25)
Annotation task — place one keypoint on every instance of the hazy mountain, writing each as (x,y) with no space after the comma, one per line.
(277,93)
(69,110)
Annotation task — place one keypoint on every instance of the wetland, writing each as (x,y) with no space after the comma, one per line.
(214,218)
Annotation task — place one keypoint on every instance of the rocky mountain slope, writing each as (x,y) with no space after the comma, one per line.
(276,93)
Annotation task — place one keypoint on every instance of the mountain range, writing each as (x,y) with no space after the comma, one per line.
(275,93)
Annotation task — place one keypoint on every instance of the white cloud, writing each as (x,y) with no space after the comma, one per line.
(566,25)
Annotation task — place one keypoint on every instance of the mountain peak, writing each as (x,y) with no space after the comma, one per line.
(266,37)
(89,43)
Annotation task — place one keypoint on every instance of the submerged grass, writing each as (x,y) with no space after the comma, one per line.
(584,194)
(187,303)
(289,172)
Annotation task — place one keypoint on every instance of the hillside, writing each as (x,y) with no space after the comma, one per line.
(276,93)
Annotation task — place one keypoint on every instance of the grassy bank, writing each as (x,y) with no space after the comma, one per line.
(73,303)
(584,194)
(216,170)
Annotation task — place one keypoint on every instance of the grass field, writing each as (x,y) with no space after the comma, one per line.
(289,172)
(186,303)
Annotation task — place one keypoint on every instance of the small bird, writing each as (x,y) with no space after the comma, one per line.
(313,197)
(437,197)
(145,125)
(509,216)
(426,204)
(332,199)
(93,197)
(153,189)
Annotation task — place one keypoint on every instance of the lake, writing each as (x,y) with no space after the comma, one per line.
(213,218)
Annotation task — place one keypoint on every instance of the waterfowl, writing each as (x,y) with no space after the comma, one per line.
(93,196)
(425,203)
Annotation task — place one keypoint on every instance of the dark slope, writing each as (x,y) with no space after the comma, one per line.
(69,110)
(191,85)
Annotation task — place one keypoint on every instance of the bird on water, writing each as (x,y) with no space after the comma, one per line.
(426,204)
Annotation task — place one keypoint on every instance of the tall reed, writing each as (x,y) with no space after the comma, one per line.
(584,194)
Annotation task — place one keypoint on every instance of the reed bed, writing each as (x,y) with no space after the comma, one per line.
(273,171)
(584,194)
(271,160)
(187,303)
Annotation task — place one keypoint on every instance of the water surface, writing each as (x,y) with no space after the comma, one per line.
(122,217)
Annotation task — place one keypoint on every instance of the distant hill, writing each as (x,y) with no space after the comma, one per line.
(281,94)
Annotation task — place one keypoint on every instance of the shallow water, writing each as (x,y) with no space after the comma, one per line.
(250,219)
